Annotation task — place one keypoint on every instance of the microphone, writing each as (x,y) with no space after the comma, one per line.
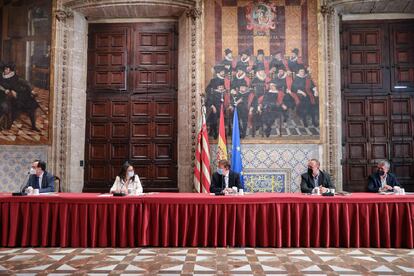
(21,192)
(120,193)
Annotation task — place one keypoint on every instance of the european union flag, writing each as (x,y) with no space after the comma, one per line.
(236,160)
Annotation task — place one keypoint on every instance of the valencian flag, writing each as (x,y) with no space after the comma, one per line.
(221,146)
(236,161)
(202,179)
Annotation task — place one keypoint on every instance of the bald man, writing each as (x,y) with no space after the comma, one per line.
(315,178)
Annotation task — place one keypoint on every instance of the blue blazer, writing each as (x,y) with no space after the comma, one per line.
(374,181)
(48,182)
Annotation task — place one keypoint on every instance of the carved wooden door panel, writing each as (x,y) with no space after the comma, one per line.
(402,57)
(108,54)
(131,104)
(401,138)
(355,131)
(154,62)
(377,117)
(364,58)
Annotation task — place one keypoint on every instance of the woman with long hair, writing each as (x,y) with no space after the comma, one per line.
(127,180)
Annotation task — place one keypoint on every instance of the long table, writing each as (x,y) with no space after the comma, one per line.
(190,219)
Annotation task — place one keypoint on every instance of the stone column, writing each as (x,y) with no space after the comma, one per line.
(189,82)
(58,152)
(332,146)
(70,98)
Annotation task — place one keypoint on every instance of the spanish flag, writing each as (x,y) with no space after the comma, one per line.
(222,148)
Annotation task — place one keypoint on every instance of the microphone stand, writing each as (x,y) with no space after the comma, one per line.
(21,192)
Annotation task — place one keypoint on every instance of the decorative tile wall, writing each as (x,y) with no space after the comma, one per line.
(276,157)
(16,162)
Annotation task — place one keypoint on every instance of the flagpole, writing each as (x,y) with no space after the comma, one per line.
(202,177)
(203,108)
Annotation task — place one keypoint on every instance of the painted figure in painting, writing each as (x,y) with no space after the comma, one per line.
(215,96)
(245,61)
(17,98)
(246,101)
(260,16)
(305,89)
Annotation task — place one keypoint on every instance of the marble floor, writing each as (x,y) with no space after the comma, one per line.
(205,261)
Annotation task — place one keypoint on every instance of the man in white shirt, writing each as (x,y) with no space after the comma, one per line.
(40,178)
(223,180)
(315,178)
(382,180)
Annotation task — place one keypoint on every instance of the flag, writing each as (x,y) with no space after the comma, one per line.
(221,145)
(202,179)
(236,161)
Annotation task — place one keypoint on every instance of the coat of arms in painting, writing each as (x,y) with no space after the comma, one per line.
(261,17)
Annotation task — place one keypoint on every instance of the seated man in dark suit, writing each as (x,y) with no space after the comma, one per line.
(315,178)
(40,178)
(382,180)
(224,179)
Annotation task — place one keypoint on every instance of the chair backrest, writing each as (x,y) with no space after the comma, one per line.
(58,187)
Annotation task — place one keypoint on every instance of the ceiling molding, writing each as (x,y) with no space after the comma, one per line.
(377,16)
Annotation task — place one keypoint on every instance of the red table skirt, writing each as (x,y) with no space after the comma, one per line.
(259,220)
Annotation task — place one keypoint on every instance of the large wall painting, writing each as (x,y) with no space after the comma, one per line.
(262,57)
(25,72)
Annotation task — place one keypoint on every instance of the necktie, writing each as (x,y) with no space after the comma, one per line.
(315,180)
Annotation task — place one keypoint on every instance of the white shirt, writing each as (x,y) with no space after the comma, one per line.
(135,184)
(383,181)
(40,181)
(226,180)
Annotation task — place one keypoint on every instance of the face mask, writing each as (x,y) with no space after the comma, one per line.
(310,171)
(32,171)
(381,173)
(131,174)
(220,171)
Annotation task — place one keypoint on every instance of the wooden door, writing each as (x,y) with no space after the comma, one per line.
(402,57)
(377,100)
(131,104)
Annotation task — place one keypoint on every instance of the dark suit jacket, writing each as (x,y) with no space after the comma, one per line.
(307,183)
(374,181)
(48,182)
(218,185)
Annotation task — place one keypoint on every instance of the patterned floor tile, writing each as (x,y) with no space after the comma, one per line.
(328,258)
(206,261)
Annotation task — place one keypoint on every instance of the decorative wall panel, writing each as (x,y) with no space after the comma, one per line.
(16,162)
